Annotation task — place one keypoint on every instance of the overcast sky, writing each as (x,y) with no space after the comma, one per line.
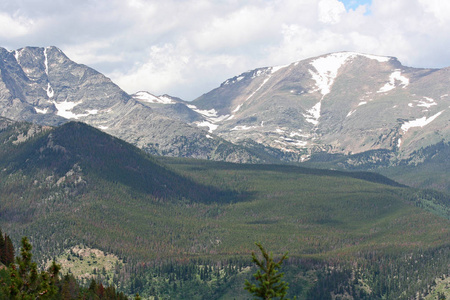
(185,48)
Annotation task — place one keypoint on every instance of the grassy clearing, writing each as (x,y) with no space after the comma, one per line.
(85,264)
(442,287)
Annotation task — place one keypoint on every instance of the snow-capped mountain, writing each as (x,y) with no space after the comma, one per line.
(42,85)
(370,109)
(338,103)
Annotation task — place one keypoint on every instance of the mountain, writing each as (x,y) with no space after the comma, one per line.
(75,187)
(56,172)
(42,85)
(350,110)
(339,103)
(342,110)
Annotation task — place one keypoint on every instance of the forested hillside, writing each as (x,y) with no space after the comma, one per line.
(184,229)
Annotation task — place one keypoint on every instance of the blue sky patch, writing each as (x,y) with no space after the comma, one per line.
(353,4)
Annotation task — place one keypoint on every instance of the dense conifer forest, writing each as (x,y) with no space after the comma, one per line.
(185,229)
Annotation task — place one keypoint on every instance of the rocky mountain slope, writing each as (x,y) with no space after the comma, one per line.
(353,110)
(344,103)
(340,110)
(42,85)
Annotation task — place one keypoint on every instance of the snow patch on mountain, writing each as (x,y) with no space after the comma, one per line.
(211,117)
(426,102)
(233,80)
(64,110)
(212,113)
(351,113)
(421,122)
(261,72)
(313,114)
(294,134)
(41,111)
(326,70)
(271,71)
(375,57)
(277,68)
(211,126)
(50,92)
(150,98)
(296,143)
(395,77)
(46,61)
(244,127)
(237,108)
(264,82)
(327,67)
(18,54)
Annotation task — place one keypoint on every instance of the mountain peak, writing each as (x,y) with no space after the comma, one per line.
(147,97)
(350,54)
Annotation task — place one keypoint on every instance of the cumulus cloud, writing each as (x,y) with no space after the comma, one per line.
(16,25)
(163,67)
(187,47)
(330,11)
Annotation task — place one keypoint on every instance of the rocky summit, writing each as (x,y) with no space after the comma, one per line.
(43,86)
(343,103)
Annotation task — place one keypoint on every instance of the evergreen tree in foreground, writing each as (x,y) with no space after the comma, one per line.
(27,282)
(269,285)
(23,281)
(6,250)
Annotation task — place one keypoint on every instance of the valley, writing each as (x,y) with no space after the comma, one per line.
(75,185)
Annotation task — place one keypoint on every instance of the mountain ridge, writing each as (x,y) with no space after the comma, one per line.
(311,82)
(42,85)
(372,109)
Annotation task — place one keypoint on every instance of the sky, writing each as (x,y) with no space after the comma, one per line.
(186,48)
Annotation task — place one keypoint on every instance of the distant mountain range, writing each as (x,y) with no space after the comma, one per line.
(340,110)
(338,103)
(43,86)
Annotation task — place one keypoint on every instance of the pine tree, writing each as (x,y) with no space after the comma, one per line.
(8,251)
(270,284)
(26,282)
(2,248)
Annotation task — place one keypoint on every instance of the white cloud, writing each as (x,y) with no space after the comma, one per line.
(91,53)
(188,47)
(440,9)
(330,11)
(163,68)
(14,26)
(241,27)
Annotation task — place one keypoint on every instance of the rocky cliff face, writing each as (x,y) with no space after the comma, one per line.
(43,86)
